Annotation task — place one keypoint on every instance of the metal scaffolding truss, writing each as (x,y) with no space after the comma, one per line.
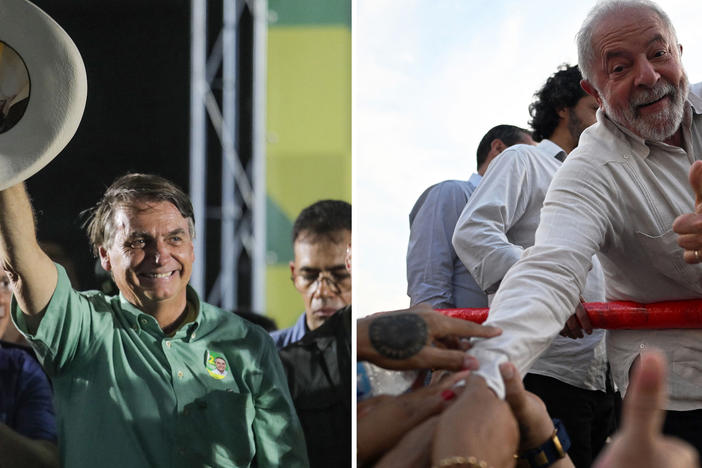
(241,214)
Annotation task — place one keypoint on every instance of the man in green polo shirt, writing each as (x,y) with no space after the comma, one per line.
(135,374)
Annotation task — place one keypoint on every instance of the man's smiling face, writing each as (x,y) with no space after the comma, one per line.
(151,254)
(638,76)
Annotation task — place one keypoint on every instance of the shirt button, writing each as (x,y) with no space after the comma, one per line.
(180,374)
(642,346)
(168,344)
(143,321)
(192,337)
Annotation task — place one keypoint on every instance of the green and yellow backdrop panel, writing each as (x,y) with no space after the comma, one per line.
(308,128)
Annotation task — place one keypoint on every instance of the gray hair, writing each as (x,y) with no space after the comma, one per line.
(126,191)
(586,54)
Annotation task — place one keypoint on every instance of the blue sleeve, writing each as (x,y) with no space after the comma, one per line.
(34,415)
(430,253)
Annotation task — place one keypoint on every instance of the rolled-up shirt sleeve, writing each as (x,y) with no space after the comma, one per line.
(540,292)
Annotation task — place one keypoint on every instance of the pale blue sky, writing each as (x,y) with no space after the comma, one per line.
(430,77)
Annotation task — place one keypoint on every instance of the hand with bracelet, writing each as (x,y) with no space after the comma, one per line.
(536,428)
(477,431)
(418,338)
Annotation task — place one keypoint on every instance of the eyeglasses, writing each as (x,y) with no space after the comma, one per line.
(337,279)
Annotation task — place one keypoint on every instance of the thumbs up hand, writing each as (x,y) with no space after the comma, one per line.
(639,441)
(689,226)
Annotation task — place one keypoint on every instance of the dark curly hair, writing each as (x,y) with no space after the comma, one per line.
(323,218)
(561,90)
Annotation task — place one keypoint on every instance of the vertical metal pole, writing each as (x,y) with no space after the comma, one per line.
(228,271)
(198,138)
(258,176)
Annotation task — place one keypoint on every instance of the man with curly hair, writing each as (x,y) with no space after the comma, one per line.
(499,223)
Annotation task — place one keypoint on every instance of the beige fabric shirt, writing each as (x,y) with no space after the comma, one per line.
(499,222)
(616,195)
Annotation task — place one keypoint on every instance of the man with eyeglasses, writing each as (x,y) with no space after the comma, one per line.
(321,234)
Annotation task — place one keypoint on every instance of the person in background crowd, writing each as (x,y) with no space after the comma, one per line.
(27,421)
(321,233)
(435,274)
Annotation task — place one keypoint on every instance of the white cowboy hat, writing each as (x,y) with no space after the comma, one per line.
(57,90)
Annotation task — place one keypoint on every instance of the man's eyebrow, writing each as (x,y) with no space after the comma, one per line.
(657,38)
(331,268)
(147,235)
(619,53)
(134,234)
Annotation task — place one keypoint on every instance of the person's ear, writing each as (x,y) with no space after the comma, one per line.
(497,146)
(104,259)
(590,89)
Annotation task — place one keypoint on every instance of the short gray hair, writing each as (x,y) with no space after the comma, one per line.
(128,190)
(586,54)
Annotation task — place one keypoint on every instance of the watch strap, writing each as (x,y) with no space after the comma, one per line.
(555,448)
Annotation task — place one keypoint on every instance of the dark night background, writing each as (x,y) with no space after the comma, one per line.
(137,57)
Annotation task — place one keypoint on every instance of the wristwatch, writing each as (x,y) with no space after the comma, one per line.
(549,452)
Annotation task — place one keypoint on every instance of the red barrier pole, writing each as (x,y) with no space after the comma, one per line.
(621,315)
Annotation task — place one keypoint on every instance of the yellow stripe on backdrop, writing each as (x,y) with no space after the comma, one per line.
(308,130)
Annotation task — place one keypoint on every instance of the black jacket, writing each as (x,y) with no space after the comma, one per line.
(319,376)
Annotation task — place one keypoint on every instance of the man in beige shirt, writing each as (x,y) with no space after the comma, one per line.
(618,195)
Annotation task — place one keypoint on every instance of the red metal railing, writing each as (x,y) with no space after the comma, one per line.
(621,315)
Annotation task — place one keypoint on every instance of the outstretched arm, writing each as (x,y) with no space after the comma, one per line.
(31,271)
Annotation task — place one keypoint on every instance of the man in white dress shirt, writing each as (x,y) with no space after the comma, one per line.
(435,274)
(499,222)
(618,194)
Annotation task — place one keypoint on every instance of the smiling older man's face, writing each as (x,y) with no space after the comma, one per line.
(638,77)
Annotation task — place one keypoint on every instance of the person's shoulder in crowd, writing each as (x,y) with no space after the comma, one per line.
(442,192)
(286,336)
(336,325)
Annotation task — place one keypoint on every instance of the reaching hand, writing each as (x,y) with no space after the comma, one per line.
(414,450)
(418,338)
(640,442)
(577,322)
(383,420)
(479,425)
